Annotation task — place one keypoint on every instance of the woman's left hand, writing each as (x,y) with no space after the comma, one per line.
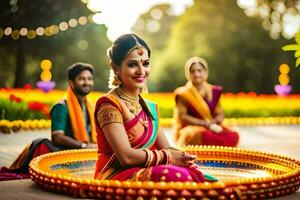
(195,167)
(218,119)
(182,158)
(216,128)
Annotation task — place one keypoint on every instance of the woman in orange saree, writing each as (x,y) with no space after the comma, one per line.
(198,112)
(130,144)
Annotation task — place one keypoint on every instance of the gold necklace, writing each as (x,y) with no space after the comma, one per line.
(131,102)
(125,96)
(133,105)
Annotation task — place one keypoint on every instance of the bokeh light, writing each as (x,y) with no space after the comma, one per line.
(284,69)
(82,20)
(7,31)
(126,18)
(83,44)
(156,14)
(23,31)
(46,64)
(153,26)
(15,34)
(63,26)
(31,34)
(73,22)
(48,31)
(284,79)
(279,17)
(46,75)
(54,29)
(40,31)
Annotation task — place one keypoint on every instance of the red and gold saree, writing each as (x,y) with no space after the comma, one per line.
(108,166)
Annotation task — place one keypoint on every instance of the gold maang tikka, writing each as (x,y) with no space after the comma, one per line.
(137,46)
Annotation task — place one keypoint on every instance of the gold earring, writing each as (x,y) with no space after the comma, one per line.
(145,89)
(116,81)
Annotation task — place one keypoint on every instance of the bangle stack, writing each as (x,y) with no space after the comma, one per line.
(167,157)
(157,157)
(149,157)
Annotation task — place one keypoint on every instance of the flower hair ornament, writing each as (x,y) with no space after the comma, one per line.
(113,80)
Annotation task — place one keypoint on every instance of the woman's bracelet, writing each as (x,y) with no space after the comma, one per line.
(157,157)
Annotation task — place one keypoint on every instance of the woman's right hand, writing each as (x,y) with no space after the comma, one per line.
(181,158)
(91,146)
(205,123)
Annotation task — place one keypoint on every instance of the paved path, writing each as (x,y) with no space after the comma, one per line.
(284,140)
(12,144)
(275,139)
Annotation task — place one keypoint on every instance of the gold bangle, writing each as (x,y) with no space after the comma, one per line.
(147,157)
(169,161)
(151,160)
(161,157)
(167,157)
(164,158)
(157,157)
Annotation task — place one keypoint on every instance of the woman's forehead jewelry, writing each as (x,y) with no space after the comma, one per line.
(137,46)
(140,51)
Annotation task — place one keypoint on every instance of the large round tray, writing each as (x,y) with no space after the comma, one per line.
(242,174)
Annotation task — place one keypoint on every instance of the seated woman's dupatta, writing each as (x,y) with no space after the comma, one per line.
(108,166)
(195,101)
(199,108)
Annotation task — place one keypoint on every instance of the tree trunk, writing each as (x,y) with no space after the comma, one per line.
(240,80)
(20,68)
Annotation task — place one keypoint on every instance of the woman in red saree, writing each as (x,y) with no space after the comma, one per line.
(130,143)
(198,112)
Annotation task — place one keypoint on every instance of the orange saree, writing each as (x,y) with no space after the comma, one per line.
(187,97)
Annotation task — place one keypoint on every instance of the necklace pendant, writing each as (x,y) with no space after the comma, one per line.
(146,124)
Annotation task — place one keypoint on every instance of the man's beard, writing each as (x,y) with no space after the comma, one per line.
(79,91)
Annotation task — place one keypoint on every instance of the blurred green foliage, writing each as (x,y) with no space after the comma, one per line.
(11,110)
(167,112)
(20,59)
(240,53)
(294,47)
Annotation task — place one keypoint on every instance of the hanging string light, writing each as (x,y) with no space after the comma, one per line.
(48,31)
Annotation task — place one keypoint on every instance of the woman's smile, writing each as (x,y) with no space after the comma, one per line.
(139,79)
